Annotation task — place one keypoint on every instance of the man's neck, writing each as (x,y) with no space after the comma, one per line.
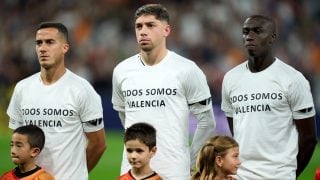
(154,57)
(257,64)
(52,75)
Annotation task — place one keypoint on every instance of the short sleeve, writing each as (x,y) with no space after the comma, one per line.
(90,104)
(14,110)
(226,105)
(196,86)
(117,96)
(300,98)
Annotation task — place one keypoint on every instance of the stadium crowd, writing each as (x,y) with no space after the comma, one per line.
(207,31)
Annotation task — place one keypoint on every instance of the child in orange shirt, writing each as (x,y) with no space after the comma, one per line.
(140,143)
(26,144)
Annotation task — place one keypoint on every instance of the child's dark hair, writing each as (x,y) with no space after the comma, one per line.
(143,132)
(36,137)
(157,10)
(61,28)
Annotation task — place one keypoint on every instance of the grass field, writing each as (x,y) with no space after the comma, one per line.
(109,166)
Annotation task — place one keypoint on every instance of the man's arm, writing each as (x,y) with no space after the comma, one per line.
(205,129)
(122,117)
(307,141)
(95,148)
(230,122)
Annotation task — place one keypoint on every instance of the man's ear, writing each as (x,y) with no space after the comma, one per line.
(273,38)
(65,48)
(167,30)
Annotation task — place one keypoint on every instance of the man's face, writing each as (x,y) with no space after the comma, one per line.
(150,32)
(50,47)
(258,36)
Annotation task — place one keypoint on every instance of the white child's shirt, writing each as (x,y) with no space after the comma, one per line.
(263,106)
(160,95)
(61,110)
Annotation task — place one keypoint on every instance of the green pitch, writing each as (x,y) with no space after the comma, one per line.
(107,168)
(109,165)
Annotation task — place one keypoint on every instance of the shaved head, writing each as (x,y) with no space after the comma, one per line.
(270,24)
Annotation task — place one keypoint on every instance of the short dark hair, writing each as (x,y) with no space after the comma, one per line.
(157,10)
(143,132)
(266,19)
(35,135)
(61,28)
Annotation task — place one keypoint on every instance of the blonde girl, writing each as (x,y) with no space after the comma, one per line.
(218,159)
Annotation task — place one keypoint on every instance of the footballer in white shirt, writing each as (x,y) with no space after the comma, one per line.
(160,87)
(269,107)
(64,105)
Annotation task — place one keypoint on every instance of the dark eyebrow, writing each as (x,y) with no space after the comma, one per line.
(45,40)
(150,22)
(254,27)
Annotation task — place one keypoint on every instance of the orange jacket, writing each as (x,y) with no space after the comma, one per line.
(38,175)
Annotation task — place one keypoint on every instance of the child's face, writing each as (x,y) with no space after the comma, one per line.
(21,152)
(231,161)
(138,153)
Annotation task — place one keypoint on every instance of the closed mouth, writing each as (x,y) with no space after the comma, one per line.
(144,40)
(250,45)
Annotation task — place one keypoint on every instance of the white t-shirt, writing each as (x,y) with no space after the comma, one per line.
(160,95)
(263,106)
(60,110)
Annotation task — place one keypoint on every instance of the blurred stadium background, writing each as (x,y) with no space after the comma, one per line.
(102,34)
